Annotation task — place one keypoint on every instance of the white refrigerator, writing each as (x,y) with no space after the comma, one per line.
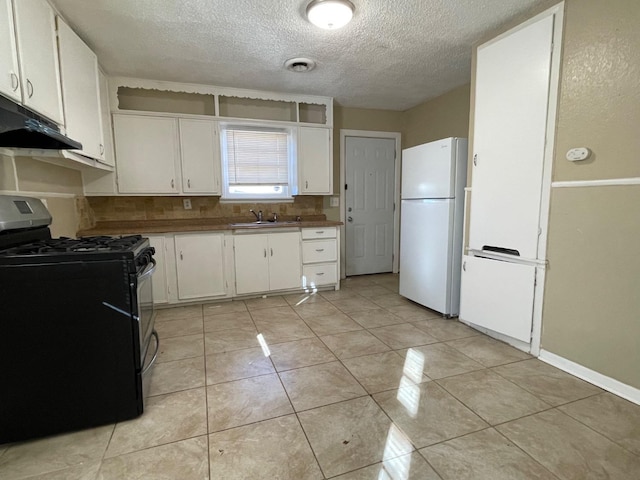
(431,219)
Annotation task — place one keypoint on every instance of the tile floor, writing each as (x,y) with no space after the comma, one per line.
(359,384)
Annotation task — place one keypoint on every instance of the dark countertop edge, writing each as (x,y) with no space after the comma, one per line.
(113,228)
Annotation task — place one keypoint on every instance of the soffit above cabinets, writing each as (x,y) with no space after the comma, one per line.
(393,55)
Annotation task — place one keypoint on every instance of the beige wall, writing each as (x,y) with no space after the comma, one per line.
(60,187)
(441,117)
(591,309)
(591,312)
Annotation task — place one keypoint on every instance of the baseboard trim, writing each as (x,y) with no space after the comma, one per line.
(607,383)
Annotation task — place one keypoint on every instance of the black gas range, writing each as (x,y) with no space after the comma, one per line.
(77,337)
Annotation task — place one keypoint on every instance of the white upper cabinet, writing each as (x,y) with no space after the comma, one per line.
(199,154)
(166,155)
(315,162)
(107,133)
(147,154)
(9,68)
(38,53)
(81,93)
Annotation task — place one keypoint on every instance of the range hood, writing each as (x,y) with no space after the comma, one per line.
(21,128)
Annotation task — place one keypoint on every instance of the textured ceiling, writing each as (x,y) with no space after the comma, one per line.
(393,55)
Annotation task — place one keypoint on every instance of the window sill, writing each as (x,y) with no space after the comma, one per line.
(256,200)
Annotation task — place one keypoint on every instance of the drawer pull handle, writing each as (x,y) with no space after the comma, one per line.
(319,249)
(29,88)
(265,253)
(320,232)
(319,273)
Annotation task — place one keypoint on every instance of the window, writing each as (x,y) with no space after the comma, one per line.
(257,162)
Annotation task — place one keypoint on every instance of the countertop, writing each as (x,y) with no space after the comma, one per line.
(197,225)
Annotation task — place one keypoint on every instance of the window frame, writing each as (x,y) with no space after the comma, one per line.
(289,190)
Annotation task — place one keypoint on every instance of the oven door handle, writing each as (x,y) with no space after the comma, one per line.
(148,270)
(155,354)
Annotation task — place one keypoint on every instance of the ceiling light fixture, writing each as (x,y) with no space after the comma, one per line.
(330,14)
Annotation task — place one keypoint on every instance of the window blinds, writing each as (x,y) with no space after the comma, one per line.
(257,156)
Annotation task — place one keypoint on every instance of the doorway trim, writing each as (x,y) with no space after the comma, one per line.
(397,136)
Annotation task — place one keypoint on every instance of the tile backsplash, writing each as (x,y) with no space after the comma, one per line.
(100,209)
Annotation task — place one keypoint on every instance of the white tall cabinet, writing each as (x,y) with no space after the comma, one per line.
(514,114)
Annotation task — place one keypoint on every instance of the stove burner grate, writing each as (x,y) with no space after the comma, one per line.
(82,244)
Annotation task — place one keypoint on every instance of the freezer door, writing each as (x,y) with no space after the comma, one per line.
(428,171)
(426,253)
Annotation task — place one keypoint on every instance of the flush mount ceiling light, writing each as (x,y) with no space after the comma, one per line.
(330,14)
(300,65)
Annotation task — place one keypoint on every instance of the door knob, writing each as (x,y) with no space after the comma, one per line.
(349,219)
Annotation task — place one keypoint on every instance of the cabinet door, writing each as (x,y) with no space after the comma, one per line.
(315,163)
(105,112)
(512,89)
(146,154)
(80,89)
(498,295)
(159,280)
(200,158)
(200,265)
(284,261)
(9,80)
(252,263)
(39,66)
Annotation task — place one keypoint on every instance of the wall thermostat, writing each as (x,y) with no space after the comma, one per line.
(577,154)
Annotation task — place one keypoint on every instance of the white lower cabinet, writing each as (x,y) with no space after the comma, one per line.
(265,262)
(498,296)
(319,257)
(200,265)
(159,280)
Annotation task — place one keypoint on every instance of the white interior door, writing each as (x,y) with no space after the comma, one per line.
(512,90)
(369,197)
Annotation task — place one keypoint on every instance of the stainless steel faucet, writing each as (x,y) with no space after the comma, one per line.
(258,215)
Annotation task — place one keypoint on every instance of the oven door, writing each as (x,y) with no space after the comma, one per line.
(145,313)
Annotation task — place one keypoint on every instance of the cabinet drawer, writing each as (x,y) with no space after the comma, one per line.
(323,274)
(320,232)
(319,251)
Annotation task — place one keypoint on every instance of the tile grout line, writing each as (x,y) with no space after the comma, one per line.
(592,428)
(293,408)
(206,395)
